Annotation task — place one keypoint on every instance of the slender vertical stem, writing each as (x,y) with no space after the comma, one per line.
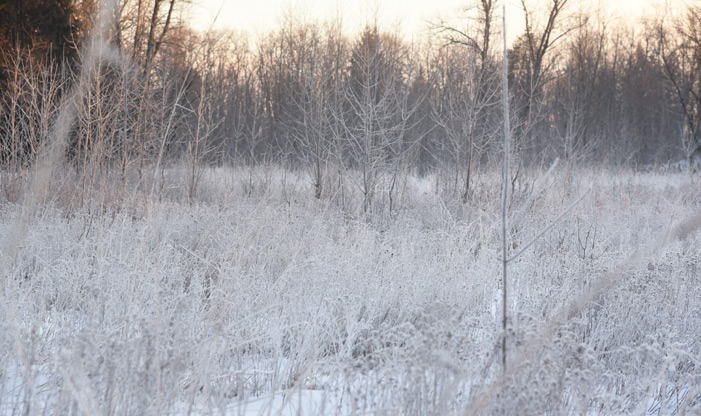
(504,193)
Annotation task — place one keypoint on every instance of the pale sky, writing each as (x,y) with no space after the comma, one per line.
(261,16)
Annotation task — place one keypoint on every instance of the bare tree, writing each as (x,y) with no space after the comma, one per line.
(577,93)
(468,89)
(476,35)
(156,36)
(375,119)
(201,145)
(529,68)
(29,104)
(679,49)
(311,122)
(462,106)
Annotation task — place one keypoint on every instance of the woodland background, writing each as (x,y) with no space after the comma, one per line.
(310,96)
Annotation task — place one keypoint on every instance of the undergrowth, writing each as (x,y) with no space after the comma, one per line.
(141,303)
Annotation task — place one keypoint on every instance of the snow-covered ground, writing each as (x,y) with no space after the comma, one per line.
(256,298)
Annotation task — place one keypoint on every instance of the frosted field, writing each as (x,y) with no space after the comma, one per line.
(256,298)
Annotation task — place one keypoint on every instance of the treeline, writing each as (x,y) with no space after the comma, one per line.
(582,88)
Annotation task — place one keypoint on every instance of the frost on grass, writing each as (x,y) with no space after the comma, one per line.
(261,300)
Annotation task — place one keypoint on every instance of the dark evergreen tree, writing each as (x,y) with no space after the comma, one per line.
(46,26)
